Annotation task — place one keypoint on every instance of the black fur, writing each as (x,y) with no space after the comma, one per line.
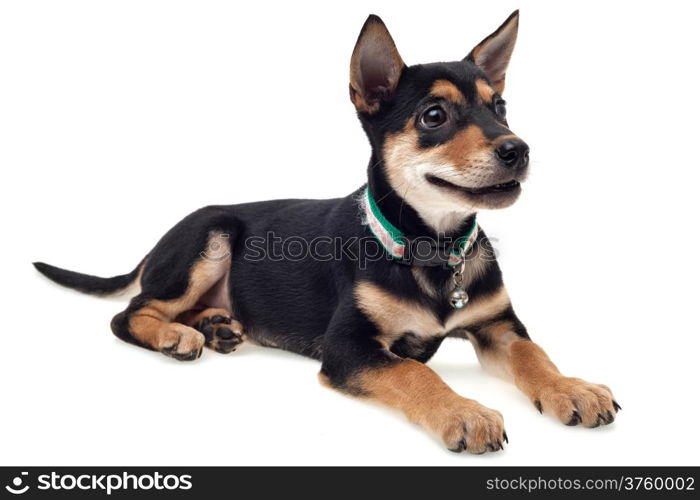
(85,282)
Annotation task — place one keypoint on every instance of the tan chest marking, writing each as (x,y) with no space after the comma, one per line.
(395,316)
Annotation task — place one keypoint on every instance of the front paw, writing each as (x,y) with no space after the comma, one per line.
(467,425)
(575,401)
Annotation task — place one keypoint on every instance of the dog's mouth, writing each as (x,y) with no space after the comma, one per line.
(501,188)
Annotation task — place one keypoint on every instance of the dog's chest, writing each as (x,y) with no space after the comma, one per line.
(424,318)
(396,316)
(414,325)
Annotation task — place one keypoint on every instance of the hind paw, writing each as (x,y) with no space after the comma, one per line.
(221,332)
(181,343)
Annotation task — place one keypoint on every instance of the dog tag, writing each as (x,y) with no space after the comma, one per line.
(458,298)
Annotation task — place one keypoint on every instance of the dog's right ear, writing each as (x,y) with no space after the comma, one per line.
(375,67)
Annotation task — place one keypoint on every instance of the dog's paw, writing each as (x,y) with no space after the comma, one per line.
(181,342)
(222,333)
(575,401)
(467,425)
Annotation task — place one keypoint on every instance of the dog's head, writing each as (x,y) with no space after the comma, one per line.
(439,131)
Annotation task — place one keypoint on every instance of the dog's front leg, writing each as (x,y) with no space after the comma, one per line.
(503,346)
(356,363)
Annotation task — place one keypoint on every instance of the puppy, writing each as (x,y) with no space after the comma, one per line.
(372,283)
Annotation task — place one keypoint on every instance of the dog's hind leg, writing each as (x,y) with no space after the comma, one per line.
(184,302)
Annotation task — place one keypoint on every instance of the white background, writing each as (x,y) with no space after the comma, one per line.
(119,118)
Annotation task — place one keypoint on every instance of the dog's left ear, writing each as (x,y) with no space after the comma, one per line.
(375,67)
(492,55)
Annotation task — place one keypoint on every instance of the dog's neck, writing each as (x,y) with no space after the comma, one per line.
(395,209)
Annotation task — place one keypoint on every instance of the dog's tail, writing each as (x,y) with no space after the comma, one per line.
(87,283)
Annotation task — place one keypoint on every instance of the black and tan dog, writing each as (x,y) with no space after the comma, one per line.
(441,149)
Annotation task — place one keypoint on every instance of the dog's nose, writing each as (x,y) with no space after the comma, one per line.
(514,153)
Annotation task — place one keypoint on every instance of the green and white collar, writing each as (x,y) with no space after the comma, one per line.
(398,245)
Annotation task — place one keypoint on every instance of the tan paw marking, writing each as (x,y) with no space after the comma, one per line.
(181,342)
(575,401)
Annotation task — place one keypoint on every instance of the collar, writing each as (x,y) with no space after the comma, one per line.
(420,251)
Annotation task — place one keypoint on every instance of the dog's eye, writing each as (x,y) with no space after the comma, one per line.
(500,108)
(433,117)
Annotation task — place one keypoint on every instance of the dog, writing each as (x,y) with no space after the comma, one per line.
(441,150)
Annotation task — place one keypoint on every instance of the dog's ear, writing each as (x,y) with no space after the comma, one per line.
(375,67)
(492,55)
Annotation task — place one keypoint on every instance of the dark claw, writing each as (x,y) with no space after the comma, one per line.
(575,419)
(490,447)
(500,445)
(505,436)
(538,405)
(611,417)
(616,406)
(169,350)
(220,319)
(225,333)
(188,356)
(598,421)
(460,447)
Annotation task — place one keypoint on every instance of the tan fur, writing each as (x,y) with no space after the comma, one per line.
(401,149)
(154,324)
(407,165)
(503,138)
(419,274)
(426,400)
(464,145)
(324,381)
(360,103)
(465,153)
(447,90)
(148,328)
(193,317)
(485,91)
(394,316)
(569,399)
(500,336)
(536,375)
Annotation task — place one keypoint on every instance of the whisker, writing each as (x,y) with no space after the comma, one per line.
(403,200)
(392,190)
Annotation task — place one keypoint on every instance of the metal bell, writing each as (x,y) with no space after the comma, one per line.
(458,298)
